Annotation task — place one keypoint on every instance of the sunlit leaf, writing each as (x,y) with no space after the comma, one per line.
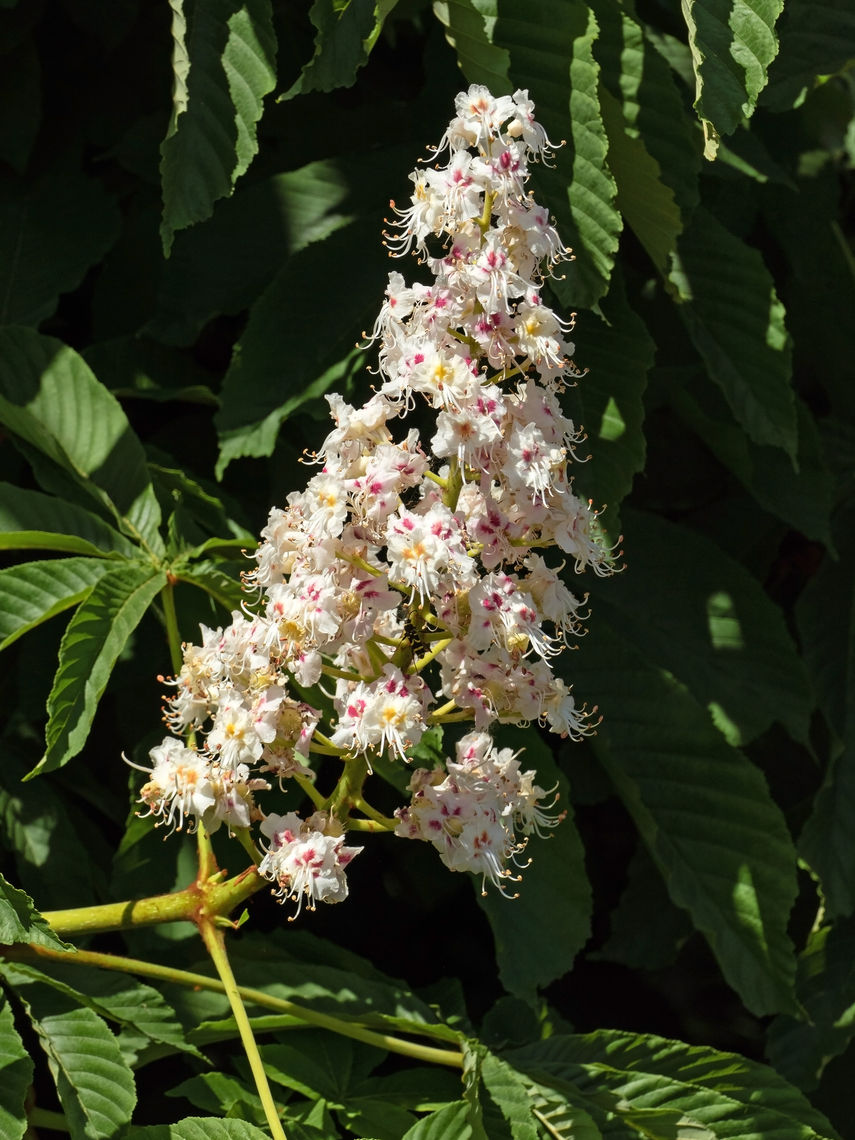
(21,922)
(223,63)
(703,810)
(34,592)
(732,45)
(345,33)
(736,322)
(92,641)
(551,46)
(16,1072)
(50,398)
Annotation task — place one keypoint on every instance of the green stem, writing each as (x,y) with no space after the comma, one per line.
(182,906)
(431,654)
(216,946)
(348,790)
(167,596)
(454,484)
(384,820)
(44,1118)
(311,791)
(428,1053)
(207,860)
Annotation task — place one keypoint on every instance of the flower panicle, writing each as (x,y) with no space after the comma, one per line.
(407,584)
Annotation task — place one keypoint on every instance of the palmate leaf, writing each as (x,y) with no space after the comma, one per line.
(689,608)
(732,44)
(457,1120)
(16,1072)
(608,402)
(800,1049)
(717,1094)
(654,108)
(509,1090)
(736,322)
(469,28)
(643,197)
(21,922)
(825,615)
(345,33)
(95,1086)
(267,380)
(222,587)
(30,520)
(42,831)
(551,49)
(223,266)
(198,1128)
(539,934)
(50,398)
(704,813)
(139,1009)
(817,38)
(802,498)
(51,231)
(224,59)
(34,592)
(92,641)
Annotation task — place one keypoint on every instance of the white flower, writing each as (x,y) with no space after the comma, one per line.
(304,860)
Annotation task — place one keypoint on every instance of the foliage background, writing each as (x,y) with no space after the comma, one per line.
(192,201)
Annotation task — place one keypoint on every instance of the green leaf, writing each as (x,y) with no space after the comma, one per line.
(635,941)
(198,1128)
(732,43)
(51,231)
(222,587)
(562,1119)
(222,1094)
(509,1090)
(21,922)
(716,1094)
(689,608)
(42,830)
(223,266)
(322,1066)
(224,64)
(16,1073)
(267,381)
(643,197)
(300,967)
(34,592)
(704,813)
(539,933)
(802,498)
(95,1086)
(141,1011)
(93,640)
(30,520)
(817,38)
(345,33)
(825,615)
(608,402)
(736,322)
(800,1049)
(50,398)
(653,106)
(551,46)
(469,28)
(452,1120)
